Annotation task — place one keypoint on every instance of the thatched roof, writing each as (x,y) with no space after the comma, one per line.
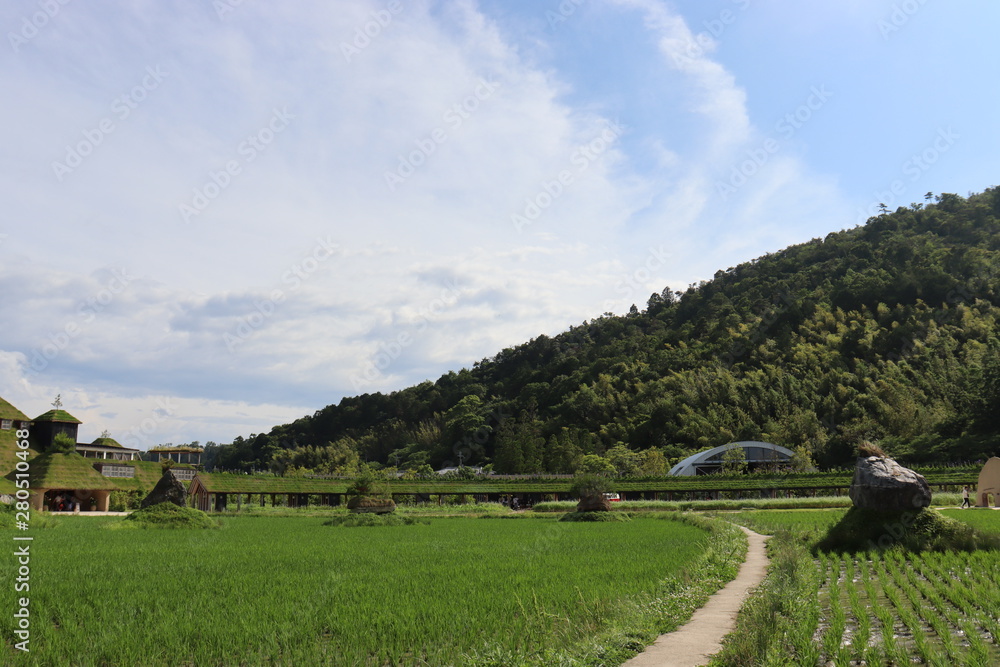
(58,416)
(8,411)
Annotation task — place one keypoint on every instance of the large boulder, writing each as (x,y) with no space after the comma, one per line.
(369,505)
(882,484)
(593,503)
(168,490)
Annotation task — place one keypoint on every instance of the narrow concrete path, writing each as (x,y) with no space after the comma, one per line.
(696,641)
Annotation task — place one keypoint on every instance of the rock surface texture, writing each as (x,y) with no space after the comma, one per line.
(168,490)
(882,484)
(364,504)
(593,503)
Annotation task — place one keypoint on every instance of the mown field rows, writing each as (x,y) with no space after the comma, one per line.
(290,590)
(873,608)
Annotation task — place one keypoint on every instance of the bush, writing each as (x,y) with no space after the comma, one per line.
(123,501)
(374,520)
(167,515)
(596,516)
(586,486)
(925,530)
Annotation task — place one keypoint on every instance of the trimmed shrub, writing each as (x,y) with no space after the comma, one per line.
(374,520)
(924,530)
(167,515)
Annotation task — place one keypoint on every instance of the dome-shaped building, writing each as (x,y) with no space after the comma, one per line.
(759,454)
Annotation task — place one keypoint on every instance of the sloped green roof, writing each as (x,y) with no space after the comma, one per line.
(229,483)
(147,474)
(8,411)
(9,450)
(58,416)
(106,442)
(55,470)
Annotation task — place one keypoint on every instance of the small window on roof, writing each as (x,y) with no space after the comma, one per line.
(6,424)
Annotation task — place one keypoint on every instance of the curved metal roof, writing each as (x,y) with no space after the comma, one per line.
(687,466)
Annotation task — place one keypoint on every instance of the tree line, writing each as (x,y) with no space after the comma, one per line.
(886,332)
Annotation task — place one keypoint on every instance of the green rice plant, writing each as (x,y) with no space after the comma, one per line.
(918,589)
(834,634)
(957,600)
(861,619)
(265,590)
(985,520)
(819,502)
(896,589)
(871,652)
(890,648)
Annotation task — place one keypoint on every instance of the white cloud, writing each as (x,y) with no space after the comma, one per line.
(234,315)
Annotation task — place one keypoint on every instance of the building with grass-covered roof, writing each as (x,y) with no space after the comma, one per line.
(60,478)
(106,447)
(46,426)
(66,481)
(187,454)
(12,420)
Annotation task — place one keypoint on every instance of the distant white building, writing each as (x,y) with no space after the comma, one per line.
(710,461)
(445,471)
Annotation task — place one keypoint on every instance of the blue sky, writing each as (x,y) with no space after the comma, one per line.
(221,216)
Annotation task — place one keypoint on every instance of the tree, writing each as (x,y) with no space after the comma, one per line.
(734,461)
(654,463)
(562,455)
(594,465)
(802,460)
(519,445)
(466,428)
(626,462)
(63,444)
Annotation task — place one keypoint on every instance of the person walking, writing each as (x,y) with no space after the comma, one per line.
(965,498)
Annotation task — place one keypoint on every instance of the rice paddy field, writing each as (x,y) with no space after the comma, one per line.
(290,591)
(874,608)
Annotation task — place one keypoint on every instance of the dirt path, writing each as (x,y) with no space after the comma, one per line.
(695,642)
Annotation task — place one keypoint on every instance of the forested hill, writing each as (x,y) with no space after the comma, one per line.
(886,332)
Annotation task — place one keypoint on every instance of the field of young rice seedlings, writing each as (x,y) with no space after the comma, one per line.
(872,608)
(293,591)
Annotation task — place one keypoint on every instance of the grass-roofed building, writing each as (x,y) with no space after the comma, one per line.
(50,424)
(70,477)
(11,421)
(106,447)
(93,471)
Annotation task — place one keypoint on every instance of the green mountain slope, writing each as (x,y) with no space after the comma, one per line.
(883,332)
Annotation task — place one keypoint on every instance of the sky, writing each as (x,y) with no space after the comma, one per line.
(223,215)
